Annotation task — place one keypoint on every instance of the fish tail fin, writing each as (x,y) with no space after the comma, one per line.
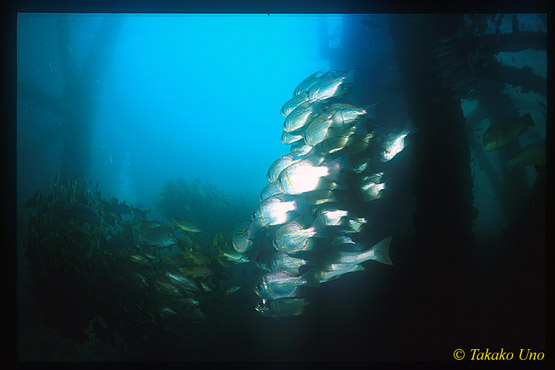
(381,251)
(527,118)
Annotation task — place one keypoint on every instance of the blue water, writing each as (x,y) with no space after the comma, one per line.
(193,96)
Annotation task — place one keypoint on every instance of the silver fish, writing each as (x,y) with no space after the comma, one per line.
(282,261)
(278,284)
(279,165)
(326,88)
(300,149)
(290,138)
(335,270)
(277,210)
(269,190)
(379,252)
(300,117)
(317,130)
(332,215)
(393,145)
(293,103)
(371,190)
(341,220)
(308,82)
(345,114)
(304,176)
(241,237)
(293,237)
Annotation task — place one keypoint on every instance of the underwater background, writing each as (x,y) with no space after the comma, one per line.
(144,140)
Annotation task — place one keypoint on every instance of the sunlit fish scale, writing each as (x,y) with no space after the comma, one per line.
(371,190)
(375,178)
(293,103)
(278,284)
(353,225)
(393,145)
(282,307)
(347,247)
(379,252)
(241,237)
(342,117)
(299,117)
(300,149)
(360,165)
(289,138)
(335,270)
(319,196)
(301,177)
(292,237)
(317,130)
(278,166)
(269,190)
(341,220)
(341,240)
(326,88)
(332,216)
(275,211)
(282,261)
(333,144)
(307,83)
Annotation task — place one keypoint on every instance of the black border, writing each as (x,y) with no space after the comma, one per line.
(8,23)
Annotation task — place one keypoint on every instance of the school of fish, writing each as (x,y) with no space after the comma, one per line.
(305,231)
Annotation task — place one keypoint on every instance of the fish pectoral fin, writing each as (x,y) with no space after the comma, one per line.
(381,251)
